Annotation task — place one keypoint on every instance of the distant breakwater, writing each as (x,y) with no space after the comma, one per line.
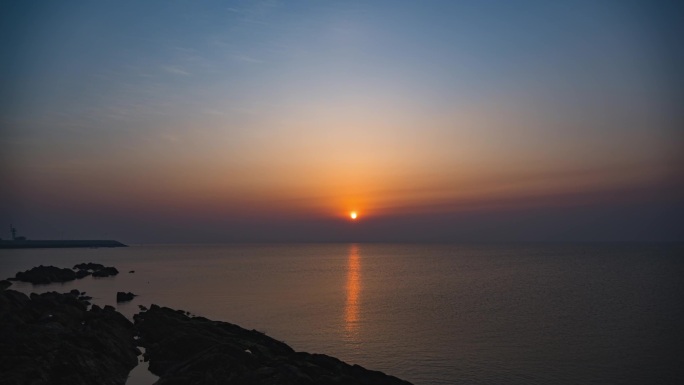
(56,244)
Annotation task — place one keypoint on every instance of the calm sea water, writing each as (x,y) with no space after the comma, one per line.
(431,314)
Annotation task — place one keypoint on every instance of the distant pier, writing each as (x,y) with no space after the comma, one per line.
(20,242)
(58,244)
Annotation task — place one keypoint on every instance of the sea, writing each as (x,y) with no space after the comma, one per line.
(427,313)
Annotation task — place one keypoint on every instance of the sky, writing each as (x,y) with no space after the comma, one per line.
(271,121)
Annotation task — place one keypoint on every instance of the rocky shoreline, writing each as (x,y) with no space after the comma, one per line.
(55,338)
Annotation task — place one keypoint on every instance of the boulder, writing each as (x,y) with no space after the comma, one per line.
(124,297)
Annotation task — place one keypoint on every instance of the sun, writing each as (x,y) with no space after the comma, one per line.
(352,215)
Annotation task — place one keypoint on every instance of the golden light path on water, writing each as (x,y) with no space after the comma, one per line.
(353,289)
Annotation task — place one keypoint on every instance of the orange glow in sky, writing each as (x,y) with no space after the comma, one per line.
(418,115)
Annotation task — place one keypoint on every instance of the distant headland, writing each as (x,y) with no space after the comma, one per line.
(20,242)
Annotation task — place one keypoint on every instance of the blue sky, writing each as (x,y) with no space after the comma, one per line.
(274,112)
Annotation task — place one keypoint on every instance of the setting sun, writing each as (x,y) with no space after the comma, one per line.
(353,215)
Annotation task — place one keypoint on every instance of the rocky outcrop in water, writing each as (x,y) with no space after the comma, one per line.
(96,269)
(52,338)
(185,350)
(82,274)
(45,274)
(4,284)
(106,272)
(51,274)
(88,266)
(124,297)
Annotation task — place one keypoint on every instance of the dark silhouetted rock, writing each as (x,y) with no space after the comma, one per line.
(49,274)
(52,338)
(131,272)
(124,297)
(82,274)
(96,269)
(46,274)
(106,272)
(184,350)
(4,284)
(89,266)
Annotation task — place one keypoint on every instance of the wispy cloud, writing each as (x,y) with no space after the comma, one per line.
(247,59)
(176,70)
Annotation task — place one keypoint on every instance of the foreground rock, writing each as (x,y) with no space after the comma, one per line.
(184,350)
(46,274)
(52,339)
(81,296)
(4,284)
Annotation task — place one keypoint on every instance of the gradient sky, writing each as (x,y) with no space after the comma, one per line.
(187,121)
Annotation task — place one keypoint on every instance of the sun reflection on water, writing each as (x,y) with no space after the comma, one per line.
(353,289)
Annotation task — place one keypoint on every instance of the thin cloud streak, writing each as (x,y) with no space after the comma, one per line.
(176,70)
